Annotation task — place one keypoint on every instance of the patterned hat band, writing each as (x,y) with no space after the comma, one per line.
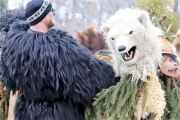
(39,12)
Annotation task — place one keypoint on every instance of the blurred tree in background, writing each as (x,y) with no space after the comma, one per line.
(74,15)
(158,7)
(3,5)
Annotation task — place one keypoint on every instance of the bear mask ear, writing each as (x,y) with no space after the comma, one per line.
(105,28)
(143,19)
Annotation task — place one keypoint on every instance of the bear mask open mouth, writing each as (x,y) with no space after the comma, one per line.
(130,54)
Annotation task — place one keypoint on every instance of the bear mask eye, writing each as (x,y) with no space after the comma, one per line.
(130,32)
(112,38)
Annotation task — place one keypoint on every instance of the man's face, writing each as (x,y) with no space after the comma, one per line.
(169,67)
(49,19)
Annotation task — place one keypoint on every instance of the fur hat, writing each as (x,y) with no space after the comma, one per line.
(36,10)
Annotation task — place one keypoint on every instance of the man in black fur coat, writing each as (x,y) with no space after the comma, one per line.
(56,76)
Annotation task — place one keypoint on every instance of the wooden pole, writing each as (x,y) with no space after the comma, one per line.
(12,102)
(169,28)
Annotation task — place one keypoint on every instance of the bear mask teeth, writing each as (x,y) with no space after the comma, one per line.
(130,54)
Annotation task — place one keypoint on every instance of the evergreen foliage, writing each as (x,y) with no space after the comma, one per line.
(116,102)
(156,8)
(173,99)
(172,94)
(4,96)
(119,102)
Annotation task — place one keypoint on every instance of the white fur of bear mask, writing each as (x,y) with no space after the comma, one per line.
(133,41)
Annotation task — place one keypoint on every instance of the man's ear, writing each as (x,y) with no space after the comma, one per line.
(105,28)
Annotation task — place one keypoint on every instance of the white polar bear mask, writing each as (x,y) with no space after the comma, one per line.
(133,41)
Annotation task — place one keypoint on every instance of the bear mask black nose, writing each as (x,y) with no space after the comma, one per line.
(121,48)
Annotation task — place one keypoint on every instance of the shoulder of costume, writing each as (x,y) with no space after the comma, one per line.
(21,25)
(58,31)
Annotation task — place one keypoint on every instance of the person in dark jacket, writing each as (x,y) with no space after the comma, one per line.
(57,77)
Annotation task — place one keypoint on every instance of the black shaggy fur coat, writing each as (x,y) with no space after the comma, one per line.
(56,76)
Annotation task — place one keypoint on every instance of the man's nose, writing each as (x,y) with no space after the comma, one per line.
(175,64)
